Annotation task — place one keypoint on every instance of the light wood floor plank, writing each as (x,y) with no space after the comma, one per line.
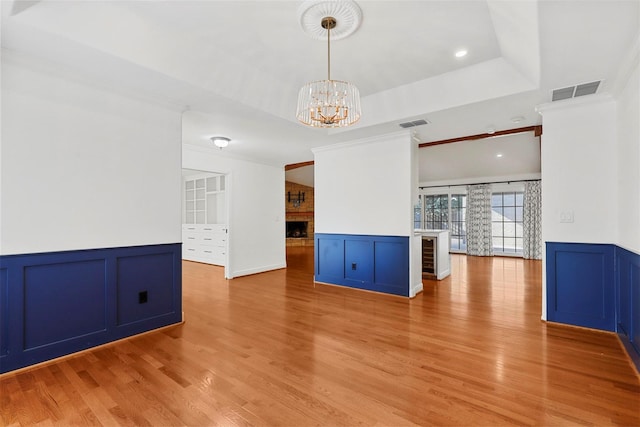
(277,349)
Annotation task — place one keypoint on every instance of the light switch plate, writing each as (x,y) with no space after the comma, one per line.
(566,216)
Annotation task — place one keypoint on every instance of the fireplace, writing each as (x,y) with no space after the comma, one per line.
(297,229)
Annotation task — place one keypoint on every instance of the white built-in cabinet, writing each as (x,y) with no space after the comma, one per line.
(204,222)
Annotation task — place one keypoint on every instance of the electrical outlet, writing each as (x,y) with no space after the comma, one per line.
(143,297)
(353,265)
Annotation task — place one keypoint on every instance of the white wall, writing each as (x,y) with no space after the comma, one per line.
(83,167)
(365,186)
(579,156)
(369,187)
(256,210)
(628,156)
(415,265)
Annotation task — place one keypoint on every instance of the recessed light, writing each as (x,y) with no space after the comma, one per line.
(461,53)
(499,155)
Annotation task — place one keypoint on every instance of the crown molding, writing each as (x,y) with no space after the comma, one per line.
(369,140)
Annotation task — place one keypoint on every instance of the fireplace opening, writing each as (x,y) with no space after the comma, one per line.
(297,229)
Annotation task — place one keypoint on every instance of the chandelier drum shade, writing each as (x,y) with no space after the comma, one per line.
(328,103)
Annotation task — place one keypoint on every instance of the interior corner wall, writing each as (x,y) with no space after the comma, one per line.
(628,157)
(83,167)
(579,156)
(256,210)
(365,187)
(415,266)
(90,214)
(578,168)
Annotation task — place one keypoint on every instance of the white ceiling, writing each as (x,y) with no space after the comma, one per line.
(235,67)
(470,161)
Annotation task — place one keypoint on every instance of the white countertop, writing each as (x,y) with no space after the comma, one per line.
(432,233)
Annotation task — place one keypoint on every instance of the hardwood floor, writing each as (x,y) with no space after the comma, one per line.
(273,349)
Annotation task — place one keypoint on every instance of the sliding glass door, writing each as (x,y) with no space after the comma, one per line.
(444,211)
(458,230)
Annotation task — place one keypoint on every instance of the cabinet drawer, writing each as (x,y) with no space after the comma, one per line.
(207,255)
(190,237)
(211,239)
(212,251)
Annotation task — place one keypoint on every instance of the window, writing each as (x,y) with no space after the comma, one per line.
(417,214)
(436,212)
(458,224)
(506,222)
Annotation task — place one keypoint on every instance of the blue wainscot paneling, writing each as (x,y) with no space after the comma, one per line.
(596,286)
(57,303)
(4,314)
(580,284)
(375,263)
(628,303)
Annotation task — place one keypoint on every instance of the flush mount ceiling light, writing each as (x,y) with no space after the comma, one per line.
(220,141)
(329,103)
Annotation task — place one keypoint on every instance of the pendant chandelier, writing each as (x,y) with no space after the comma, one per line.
(328,103)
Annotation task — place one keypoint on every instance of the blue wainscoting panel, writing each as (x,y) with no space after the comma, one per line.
(63,301)
(581,284)
(625,293)
(628,304)
(391,262)
(4,313)
(145,287)
(376,263)
(358,262)
(57,303)
(329,260)
(635,305)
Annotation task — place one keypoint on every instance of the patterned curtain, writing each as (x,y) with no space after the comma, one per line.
(478,218)
(532,221)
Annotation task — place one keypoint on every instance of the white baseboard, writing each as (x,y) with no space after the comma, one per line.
(415,289)
(257,270)
(444,274)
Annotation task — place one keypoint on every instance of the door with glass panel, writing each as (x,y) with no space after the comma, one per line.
(506,222)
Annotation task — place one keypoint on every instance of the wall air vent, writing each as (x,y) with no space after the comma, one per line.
(587,89)
(574,91)
(413,123)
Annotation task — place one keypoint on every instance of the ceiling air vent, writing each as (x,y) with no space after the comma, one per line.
(574,91)
(413,123)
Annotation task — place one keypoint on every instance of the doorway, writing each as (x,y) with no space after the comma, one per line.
(205,213)
(299,210)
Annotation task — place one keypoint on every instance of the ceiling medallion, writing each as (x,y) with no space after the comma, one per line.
(329,103)
(346,13)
